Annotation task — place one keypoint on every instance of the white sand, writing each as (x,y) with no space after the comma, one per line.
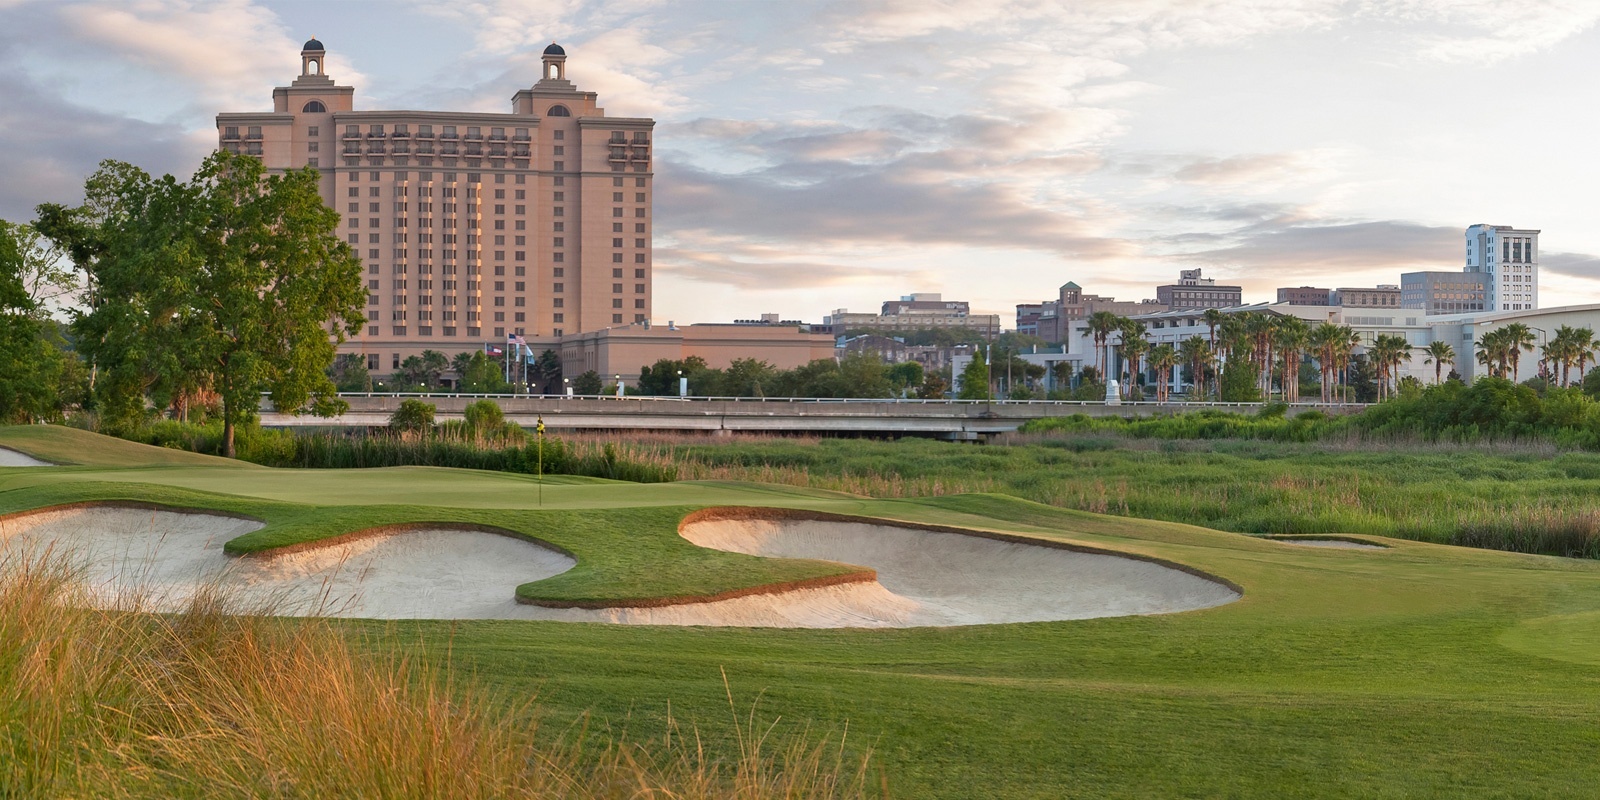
(12,458)
(925,578)
(162,557)
(159,559)
(1337,544)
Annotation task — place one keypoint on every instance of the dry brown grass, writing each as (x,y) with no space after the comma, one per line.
(210,703)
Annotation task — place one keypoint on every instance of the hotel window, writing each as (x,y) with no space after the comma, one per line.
(558,318)
(558,257)
(561,135)
(558,303)
(616,319)
(560,287)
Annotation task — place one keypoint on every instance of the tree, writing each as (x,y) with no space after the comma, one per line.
(747,377)
(30,365)
(975,379)
(933,386)
(1439,354)
(1198,355)
(1519,339)
(482,375)
(588,383)
(545,373)
(1213,319)
(1133,346)
(904,376)
(1102,324)
(1163,357)
(349,373)
(41,267)
(1291,337)
(413,416)
(228,281)
(484,418)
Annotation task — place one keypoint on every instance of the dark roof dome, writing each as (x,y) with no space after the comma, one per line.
(312,46)
(554,50)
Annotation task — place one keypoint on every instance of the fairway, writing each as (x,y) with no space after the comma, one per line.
(1406,670)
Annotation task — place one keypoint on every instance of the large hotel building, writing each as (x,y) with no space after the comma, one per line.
(473,226)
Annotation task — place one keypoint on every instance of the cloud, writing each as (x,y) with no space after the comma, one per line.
(1577,265)
(1262,168)
(763,269)
(53,145)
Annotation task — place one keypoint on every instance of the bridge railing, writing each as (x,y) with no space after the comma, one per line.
(838,400)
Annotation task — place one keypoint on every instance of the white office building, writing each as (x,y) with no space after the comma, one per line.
(1508,259)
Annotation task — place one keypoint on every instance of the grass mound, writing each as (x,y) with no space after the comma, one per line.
(71,446)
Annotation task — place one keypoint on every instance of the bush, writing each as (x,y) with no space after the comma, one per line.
(412,416)
(484,418)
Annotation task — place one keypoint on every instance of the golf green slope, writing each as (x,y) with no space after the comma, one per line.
(1418,670)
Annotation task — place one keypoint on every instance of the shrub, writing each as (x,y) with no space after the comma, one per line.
(412,416)
(484,418)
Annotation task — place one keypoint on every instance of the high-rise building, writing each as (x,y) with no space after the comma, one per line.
(1442,292)
(472,226)
(1195,291)
(1507,259)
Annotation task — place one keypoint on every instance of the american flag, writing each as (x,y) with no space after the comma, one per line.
(512,338)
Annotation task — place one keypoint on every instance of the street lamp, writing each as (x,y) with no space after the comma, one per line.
(683,385)
(619,386)
(566,383)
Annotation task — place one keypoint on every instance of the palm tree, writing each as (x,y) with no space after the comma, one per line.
(1163,357)
(1101,324)
(1586,347)
(1213,319)
(1324,340)
(1134,346)
(1495,351)
(1387,353)
(1519,338)
(1197,353)
(1291,337)
(1439,354)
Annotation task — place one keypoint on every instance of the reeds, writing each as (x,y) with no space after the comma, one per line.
(210,703)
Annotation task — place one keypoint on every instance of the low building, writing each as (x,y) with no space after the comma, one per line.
(1028,318)
(1193,290)
(1304,296)
(887,349)
(623,350)
(916,312)
(1443,292)
(1380,296)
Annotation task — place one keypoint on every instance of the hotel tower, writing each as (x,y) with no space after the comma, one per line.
(473,227)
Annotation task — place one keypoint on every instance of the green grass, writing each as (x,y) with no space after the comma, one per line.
(71,446)
(1420,670)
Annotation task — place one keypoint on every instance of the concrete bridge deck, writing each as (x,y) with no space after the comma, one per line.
(949,419)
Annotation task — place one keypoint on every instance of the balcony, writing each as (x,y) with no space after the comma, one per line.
(522,138)
(497,137)
(253,136)
(448,136)
(400,135)
(351,135)
(474,149)
(375,135)
(228,136)
(424,134)
(475,137)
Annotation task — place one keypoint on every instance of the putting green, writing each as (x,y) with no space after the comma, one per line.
(1420,670)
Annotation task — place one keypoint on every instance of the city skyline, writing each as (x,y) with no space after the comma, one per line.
(816,156)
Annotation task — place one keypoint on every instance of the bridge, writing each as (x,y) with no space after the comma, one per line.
(960,420)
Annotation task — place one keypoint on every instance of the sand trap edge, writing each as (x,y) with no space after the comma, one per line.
(139,505)
(1301,537)
(863,574)
(44,461)
(391,529)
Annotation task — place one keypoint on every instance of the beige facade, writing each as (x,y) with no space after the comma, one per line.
(1054,323)
(623,350)
(473,226)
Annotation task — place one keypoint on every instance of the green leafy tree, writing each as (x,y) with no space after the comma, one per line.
(934,385)
(975,379)
(349,373)
(904,376)
(748,377)
(588,383)
(483,376)
(545,372)
(1240,381)
(484,418)
(413,416)
(30,365)
(1439,354)
(226,282)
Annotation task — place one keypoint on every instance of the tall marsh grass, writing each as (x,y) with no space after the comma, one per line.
(114,703)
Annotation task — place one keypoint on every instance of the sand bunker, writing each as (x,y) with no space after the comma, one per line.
(160,558)
(925,578)
(12,458)
(1337,544)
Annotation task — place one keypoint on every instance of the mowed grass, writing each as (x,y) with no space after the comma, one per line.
(1419,670)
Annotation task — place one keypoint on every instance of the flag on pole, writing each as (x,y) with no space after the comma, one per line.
(493,350)
(513,339)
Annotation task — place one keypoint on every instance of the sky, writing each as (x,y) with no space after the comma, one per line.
(819,155)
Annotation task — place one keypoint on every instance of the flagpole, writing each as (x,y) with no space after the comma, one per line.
(539,429)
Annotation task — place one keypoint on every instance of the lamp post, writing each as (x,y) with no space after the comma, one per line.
(566,383)
(619,386)
(683,385)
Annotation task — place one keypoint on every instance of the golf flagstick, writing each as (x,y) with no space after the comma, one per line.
(539,429)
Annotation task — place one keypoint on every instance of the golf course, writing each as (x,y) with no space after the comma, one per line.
(970,645)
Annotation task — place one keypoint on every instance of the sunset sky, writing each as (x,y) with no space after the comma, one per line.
(822,155)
